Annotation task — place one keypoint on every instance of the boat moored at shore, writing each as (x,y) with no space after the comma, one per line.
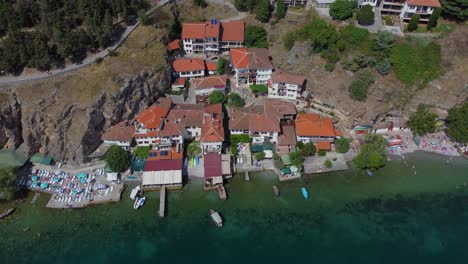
(216,218)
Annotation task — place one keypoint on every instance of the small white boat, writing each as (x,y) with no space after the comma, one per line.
(216,218)
(135,192)
(136,203)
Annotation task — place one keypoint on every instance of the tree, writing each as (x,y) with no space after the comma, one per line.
(321,35)
(259,88)
(236,139)
(221,66)
(118,159)
(143,17)
(216,97)
(328,164)
(423,121)
(322,153)
(201,3)
(7,183)
(455,9)
(383,42)
(263,11)
(280,9)
(359,87)
(365,16)
(308,149)
(296,159)
(383,67)
(233,99)
(457,123)
(259,155)
(245,5)
(342,144)
(142,152)
(413,24)
(373,154)
(175,30)
(342,9)
(255,37)
(434,17)
(194,149)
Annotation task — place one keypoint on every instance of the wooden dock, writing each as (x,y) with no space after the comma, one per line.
(222,193)
(162,202)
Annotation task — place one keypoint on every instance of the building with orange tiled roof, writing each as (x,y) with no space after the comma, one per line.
(120,134)
(261,122)
(212,37)
(206,85)
(403,8)
(173,45)
(150,121)
(316,129)
(251,65)
(189,68)
(286,85)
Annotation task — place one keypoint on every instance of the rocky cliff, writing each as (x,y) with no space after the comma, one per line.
(66,124)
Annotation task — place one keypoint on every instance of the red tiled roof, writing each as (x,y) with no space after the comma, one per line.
(323,145)
(163,165)
(211,66)
(212,129)
(212,30)
(288,136)
(182,65)
(251,58)
(314,125)
(210,82)
(431,3)
(280,76)
(152,117)
(240,58)
(119,132)
(338,133)
(148,134)
(173,45)
(179,82)
(193,30)
(212,165)
(233,30)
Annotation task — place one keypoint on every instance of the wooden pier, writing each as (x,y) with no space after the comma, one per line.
(222,192)
(162,201)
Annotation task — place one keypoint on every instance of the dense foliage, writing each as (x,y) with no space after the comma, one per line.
(263,10)
(236,139)
(255,37)
(413,23)
(328,164)
(44,34)
(365,15)
(7,183)
(221,66)
(259,155)
(434,18)
(308,149)
(216,97)
(455,9)
(342,9)
(233,99)
(342,144)
(457,123)
(384,67)
(175,30)
(359,87)
(118,159)
(245,5)
(296,159)
(142,152)
(416,63)
(373,154)
(193,149)
(280,9)
(259,88)
(201,3)
(422,121)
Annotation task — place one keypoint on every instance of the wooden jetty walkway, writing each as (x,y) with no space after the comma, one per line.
(162,201)
(222,193)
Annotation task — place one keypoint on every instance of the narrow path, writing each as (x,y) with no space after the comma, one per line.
(12,81)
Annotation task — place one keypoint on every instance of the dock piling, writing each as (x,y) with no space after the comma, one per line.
(162,201)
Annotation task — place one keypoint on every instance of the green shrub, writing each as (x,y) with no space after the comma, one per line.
(373,154)
(413,24)
(233,99)
(216,97)
(383,67)
(342,9)
(359,87)
(259,88)
(422,121)
(221,65)
(434,17)
(201,3)
(259,155)
(280,9)
(255,37)
(322,153)
(98,60)
(289,39)
(328,164)
(263,11)
(388,20)
(142,152)
(308,149)
(329,67)
(457,123)
(354,35)
(365,16)
(342,144)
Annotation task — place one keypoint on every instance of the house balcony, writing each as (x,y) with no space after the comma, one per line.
(394,3)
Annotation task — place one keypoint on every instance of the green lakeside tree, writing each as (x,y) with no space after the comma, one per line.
(255,37)
(221,66)
(455,9)
(142,152)
(342,9)
(233,99)
(422,121)
(263,11)
(280,9)
(434,18)
(457,123)
(296,159)
(413,23)
(7,183)
(216,97)
(118,159)
(365,16)
(373,153)
(342,144)
(308,149)
(328,164)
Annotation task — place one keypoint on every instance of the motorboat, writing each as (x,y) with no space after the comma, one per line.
(276,191)
(135,192)
(305,193)
(370,173)
(216,218)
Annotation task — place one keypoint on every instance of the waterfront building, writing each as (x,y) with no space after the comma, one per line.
(120,134)
(205,86)
(251,65)
(212,37)
(150,121)
(261,122)
(316,129)
(285,85)
(217,167)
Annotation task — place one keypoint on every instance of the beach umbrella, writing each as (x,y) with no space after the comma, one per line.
(83,180)
(34,178)
(44,185)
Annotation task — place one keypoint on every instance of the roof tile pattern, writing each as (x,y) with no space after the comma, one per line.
(313,125)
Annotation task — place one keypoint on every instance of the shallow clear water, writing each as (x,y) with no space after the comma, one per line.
(395,216)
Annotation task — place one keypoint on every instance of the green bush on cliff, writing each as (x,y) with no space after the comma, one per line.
(457,123)
(422,121)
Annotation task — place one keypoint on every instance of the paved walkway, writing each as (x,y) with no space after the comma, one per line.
(316,164)
(24,78)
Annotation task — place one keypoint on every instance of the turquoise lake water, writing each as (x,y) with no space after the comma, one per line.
(393,217)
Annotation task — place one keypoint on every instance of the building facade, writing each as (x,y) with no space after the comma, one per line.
(424,8)
(290,3)
(316,129)
(285,85)
(251,65)
(189,68)
(205,86)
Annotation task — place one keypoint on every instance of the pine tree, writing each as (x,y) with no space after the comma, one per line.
(280,9)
